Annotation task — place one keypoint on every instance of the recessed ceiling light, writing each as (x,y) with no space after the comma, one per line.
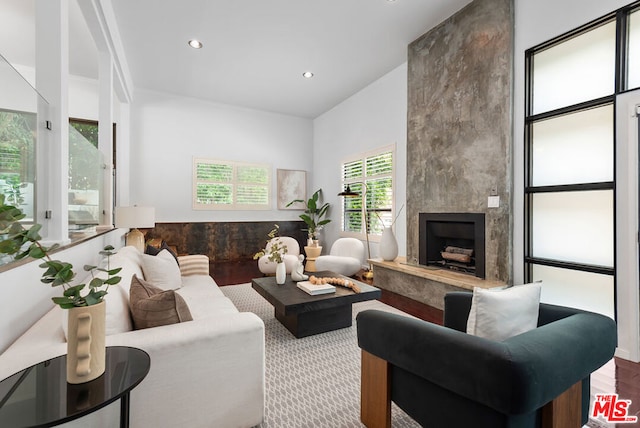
(307,75)
(195,43)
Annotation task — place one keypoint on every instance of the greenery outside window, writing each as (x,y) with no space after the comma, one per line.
(18,159)
(228,185)
(86,170)
(371,173)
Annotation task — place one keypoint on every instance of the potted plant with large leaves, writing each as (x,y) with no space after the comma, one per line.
(313,216)
(85,302)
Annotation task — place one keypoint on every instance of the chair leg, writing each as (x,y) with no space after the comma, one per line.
(375,392)
(565,411)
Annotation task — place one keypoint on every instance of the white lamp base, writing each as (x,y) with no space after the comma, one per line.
(135,238)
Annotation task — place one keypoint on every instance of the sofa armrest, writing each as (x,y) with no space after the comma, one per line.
(197,264)
(215,365)
(516,376)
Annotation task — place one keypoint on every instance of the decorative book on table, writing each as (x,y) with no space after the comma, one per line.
(315,289)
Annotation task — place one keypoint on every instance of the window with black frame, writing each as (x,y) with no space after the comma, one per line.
(571,84)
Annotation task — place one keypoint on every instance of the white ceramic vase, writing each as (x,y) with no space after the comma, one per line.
(388,245)
(85,343)
(281,273)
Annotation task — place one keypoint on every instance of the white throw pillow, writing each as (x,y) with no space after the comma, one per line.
(501,314)
(162,270)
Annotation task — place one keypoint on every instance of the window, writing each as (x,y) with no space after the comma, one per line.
(19,132)
(569,151)
(370,174)
(18,160)
(226,185)
(581,68)
(85,175)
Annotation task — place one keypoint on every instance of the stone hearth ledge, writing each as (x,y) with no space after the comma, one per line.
(422,284)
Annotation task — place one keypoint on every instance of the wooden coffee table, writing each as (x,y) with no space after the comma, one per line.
(303,314)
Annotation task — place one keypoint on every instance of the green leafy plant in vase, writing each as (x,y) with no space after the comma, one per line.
(20,242)
(313,215)
(85,302)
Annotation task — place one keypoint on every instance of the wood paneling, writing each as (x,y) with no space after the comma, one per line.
(224,241)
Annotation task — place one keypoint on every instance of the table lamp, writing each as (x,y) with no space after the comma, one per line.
(133,218)
(348,193)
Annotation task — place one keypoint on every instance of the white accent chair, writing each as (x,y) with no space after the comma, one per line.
(268,267)
(346,257)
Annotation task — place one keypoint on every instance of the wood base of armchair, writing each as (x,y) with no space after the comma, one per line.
(375,392)
(375,399)
(565,411)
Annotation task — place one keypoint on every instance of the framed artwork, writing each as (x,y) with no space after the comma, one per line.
(292,184)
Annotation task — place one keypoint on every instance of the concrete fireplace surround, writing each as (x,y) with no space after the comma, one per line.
(459,131)
(459,125)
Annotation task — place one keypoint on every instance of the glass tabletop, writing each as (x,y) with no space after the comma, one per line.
(40,396)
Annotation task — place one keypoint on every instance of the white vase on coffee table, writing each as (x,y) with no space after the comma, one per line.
(281,273)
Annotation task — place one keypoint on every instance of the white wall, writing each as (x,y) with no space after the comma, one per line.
(536,22)
(83,98)
(372,118)
(168,131)
(22,284)
(17,88)
(25,299)
(627,273)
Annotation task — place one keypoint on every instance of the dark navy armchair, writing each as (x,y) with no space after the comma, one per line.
(443,377)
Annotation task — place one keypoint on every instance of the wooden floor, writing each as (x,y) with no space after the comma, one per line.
(621,377)
(232,273)
(617,376)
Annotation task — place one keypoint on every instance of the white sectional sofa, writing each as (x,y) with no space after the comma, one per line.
(208,372)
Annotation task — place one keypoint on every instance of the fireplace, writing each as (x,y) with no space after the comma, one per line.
(454,241)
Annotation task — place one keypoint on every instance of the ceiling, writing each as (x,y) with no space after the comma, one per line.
(255,51)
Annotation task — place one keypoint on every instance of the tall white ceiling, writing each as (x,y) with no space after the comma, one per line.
(255,51)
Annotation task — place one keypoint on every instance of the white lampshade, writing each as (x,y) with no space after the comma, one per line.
(135,217)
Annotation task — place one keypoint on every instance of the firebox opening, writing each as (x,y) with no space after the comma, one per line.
(453,241)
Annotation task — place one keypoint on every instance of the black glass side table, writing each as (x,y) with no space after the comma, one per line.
(40,396)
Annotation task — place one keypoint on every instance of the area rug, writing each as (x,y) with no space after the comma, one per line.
(313,382)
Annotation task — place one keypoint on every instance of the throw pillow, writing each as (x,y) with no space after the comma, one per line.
(152,306)
(161,270)
(154,251)
(501,314)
